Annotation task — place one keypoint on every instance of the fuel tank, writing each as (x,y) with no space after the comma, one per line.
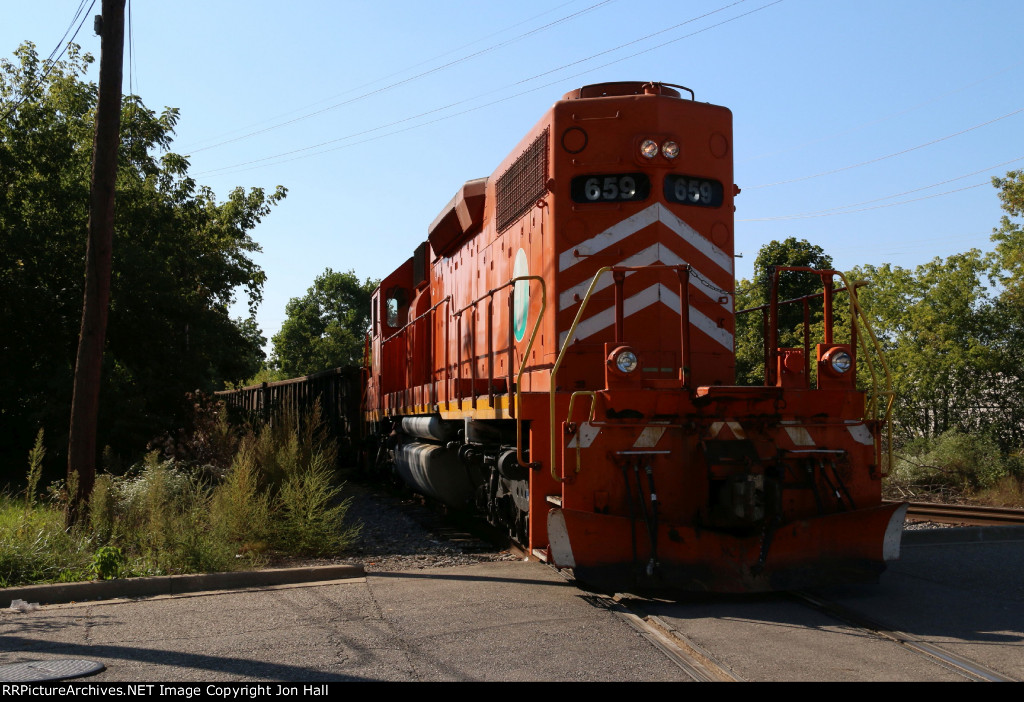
(437,472)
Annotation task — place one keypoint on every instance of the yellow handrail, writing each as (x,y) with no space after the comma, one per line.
(558,362)
(522,366)
(857,313)
(590,418)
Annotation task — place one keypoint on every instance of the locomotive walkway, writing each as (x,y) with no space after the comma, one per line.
(498,621)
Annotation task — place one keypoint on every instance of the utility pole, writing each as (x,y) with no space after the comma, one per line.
(85,400)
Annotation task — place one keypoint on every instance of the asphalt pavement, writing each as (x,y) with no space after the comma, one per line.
(499,621)
(495,621)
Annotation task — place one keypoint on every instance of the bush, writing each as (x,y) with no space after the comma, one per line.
(159,516)
(954,465)
(312,514)
(169,516)
(240,511)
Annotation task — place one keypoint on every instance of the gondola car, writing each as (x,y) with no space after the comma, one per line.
(559,355)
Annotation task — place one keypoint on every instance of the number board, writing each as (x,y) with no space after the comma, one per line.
(688,190)
(611,187)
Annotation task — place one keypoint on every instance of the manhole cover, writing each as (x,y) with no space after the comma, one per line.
(35,671)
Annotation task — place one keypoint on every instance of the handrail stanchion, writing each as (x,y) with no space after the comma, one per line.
(826,281)
(619,277)
(683,273)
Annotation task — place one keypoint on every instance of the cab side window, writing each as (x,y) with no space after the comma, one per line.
(394,303)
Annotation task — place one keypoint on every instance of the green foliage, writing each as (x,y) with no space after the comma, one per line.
(167,516)
(299,510)
(264,375)
(326,328)
(757,292)
(953,465)
(312,513)
(34,546)
(35,470)
(108,562)
(241,506)
(1009,238)
(949,344)
(208,437)
(159,516)
(180,255)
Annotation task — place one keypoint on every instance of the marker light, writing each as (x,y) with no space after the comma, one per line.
(649,148)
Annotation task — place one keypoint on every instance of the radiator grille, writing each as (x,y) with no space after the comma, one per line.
(523,183)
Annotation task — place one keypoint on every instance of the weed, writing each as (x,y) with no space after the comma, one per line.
(35,470)
(166,516)
(240,510)
(312,515)
(108,562)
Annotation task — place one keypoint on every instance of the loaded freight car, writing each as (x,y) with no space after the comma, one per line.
(559,355)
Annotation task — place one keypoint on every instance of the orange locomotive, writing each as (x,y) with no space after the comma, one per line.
(559,354)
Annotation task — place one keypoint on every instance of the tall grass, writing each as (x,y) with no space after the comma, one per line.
(165,515)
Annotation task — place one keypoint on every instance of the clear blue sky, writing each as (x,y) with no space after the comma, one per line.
(850,116)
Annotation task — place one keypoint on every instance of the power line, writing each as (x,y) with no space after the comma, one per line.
(53,54)
(57,49)
(884,118)
(888,156)
(231,168)
(396,73)
(865,209)
(132,63)
(846,209)
(410,79)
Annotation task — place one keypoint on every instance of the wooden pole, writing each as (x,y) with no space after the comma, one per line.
(98,254)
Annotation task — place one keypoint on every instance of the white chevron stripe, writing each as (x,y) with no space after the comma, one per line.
(658,253)
(631,225)
(649,437)
(861,434)
(611,235)
(646,298)
(585,436)
(800,436)
(737,430)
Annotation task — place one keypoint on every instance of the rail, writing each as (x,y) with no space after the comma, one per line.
(976,515)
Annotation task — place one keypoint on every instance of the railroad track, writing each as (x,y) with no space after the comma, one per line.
(965,514)
(703,665)
(939,655)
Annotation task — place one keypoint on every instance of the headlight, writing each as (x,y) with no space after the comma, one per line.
(649,148)
(670,149)
(841,361)
(625,360)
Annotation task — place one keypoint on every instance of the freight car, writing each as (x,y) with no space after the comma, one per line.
(559,355)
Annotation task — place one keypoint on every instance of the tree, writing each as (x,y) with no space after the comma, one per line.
(325,328)
(1008,314)
(757,292)
(1009,237)
(935,325)
(179,257)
